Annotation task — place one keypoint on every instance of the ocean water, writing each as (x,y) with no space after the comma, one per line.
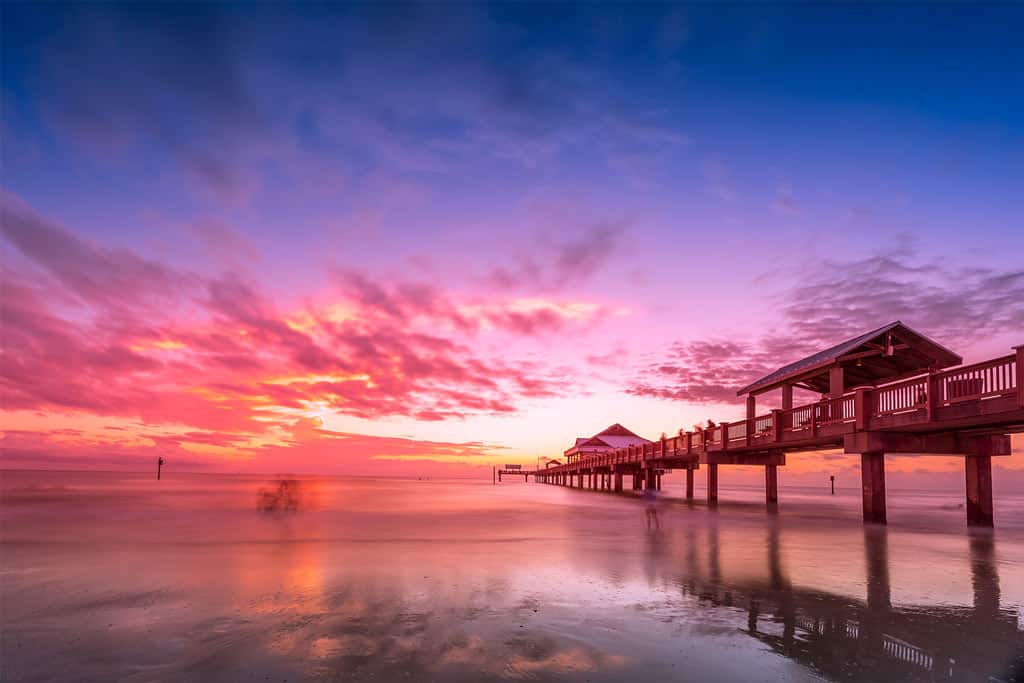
(118,577)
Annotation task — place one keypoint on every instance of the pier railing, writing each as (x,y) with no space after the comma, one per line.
(913,400)
(981,380)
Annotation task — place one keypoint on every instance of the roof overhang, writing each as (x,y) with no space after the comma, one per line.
(890,353)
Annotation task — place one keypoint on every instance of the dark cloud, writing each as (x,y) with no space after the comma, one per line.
(579,259)
(135,74)
(237,98)
(557,262)
(222,241)
(94,274)
(785,202)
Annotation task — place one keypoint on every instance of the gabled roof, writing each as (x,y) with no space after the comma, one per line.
(615,436)
(617,430)
(865,361)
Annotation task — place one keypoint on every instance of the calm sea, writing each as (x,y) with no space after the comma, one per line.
(111,576)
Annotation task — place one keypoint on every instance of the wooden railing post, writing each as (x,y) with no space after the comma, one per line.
(725,436)
(776,425)
(862,409)
(751,416)
(814,420)
(689,442)
(932,397)
(1020,374)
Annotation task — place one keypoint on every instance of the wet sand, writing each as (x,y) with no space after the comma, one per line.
(119,577)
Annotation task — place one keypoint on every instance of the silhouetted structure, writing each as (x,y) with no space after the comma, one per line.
(891,390)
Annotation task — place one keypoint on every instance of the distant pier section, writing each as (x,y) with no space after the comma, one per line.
(892,390)
(516,470)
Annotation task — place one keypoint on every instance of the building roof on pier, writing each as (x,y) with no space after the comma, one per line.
(891,352)
(613,437)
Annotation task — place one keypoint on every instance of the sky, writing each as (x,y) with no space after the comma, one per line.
(409,240)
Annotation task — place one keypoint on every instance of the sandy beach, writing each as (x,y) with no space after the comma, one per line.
(118,577)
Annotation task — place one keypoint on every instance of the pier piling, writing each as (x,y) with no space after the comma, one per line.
(872,475)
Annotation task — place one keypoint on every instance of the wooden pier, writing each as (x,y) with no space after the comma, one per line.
(891,390)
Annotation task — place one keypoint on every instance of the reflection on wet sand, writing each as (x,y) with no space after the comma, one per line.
(865,640)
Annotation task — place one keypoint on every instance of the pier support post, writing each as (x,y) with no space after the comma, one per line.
(636,479)
(771,484)
(872,476)
(650,479)
(689,483)
(618,482)
(712,483)
(580,481)
(657,481)
(979,490)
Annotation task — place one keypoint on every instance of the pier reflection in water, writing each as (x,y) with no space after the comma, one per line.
(846,638)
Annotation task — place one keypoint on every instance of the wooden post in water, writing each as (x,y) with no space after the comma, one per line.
(872,475)
(832,480)
(979,490)
(712,483)
(159,465)
(771,484)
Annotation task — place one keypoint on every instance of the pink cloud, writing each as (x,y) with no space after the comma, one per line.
(225,364)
